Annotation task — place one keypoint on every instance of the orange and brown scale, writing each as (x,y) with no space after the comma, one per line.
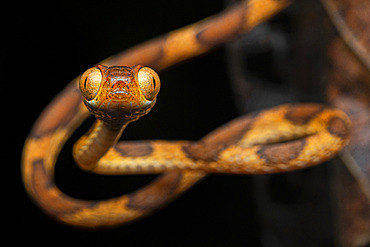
(280,139)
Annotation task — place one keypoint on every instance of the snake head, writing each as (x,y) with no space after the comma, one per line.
(119,93)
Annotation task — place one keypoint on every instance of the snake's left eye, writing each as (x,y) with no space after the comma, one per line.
(149,83)
(90,83)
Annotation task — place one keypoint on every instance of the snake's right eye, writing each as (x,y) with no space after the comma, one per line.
(90,82)
(149,82)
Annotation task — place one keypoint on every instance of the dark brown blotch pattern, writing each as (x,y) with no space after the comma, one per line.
(303,114)
(134,149)
(202,151)
(209,148)
(338,127)
(281,153)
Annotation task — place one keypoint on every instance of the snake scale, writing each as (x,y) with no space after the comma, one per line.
(118,92)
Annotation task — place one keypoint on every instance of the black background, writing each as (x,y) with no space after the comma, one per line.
(49,44)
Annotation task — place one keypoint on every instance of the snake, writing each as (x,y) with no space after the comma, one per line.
(118,91)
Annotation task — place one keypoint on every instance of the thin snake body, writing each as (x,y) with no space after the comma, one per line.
(280,139)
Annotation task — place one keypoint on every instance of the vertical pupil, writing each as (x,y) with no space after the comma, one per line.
(85,82)
(154,82)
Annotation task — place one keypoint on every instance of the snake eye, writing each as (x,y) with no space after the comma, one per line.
(90,83)
(149,82)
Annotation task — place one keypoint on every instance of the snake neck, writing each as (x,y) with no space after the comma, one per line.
(95,143)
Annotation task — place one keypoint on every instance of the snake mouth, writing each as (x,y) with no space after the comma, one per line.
(121,94)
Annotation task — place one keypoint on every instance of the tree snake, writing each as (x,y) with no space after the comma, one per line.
(118,91)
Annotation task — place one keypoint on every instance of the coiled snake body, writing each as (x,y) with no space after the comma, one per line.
(280,139)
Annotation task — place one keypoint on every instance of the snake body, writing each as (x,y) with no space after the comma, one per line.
(279,139)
